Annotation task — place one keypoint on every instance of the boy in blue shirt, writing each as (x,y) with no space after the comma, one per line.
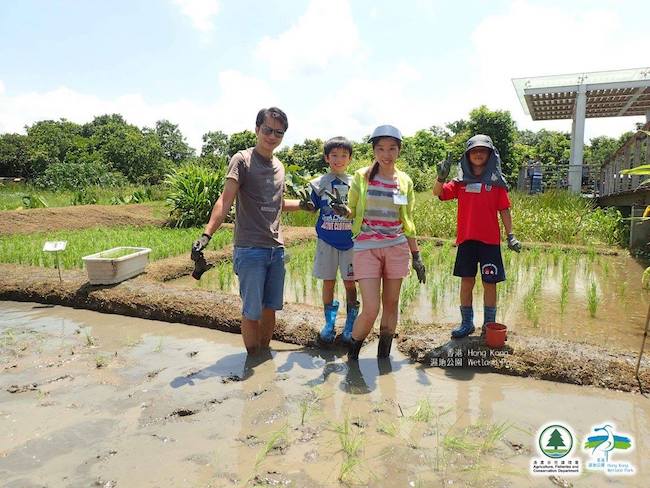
(334,246)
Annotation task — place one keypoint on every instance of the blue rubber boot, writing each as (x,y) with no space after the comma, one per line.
(353,311)
(467,324)
(489,315)
(327,333)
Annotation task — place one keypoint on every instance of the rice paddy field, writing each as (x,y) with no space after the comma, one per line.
(580,296)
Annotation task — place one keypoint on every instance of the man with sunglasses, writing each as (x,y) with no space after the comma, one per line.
(256,178)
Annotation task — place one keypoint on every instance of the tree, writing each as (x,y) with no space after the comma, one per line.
(555,440)
(215,144)
(240,141)
(49,141)
(497,124)
(457,127)
(423,150)
(308,155)
(14,157)
(172,142)
(123,147)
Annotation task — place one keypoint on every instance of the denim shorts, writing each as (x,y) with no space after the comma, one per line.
(261,279)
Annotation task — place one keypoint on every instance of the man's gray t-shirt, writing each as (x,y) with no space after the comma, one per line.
(259,199)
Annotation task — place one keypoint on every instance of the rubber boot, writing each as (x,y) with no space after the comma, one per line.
(353,349)
(467,325)
(385,343)
(489,315)
(353,311)
(327,333)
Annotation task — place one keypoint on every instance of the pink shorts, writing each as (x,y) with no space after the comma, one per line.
(390,263)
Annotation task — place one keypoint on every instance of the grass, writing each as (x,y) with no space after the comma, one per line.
(164,242)
(556,216)
(11,195)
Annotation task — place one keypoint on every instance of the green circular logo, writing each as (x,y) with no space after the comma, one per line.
(555,441)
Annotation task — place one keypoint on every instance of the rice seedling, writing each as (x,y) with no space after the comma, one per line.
(159,346)
(409,292)
(592,299)
(90,340)
(605,268)
(564,287)
(424,411)
(622,288)
(388,428)
(477,439)
(308,403)
(351,445)
(276,439)
(100,361)
(532,305)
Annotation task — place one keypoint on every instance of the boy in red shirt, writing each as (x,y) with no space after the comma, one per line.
(482,192)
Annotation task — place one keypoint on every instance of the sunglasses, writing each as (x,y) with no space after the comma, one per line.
(267,131)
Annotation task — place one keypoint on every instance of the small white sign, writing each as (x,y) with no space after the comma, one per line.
(54,246)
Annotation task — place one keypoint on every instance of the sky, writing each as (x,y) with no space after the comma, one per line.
(336,67)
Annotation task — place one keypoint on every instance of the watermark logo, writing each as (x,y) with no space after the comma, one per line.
(601,444)
(555,442)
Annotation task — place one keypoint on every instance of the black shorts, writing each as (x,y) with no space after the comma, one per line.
(471,253)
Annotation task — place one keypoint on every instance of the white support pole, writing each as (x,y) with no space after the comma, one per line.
(578,140)
(647,116)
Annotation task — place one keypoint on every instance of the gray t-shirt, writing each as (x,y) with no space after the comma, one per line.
(259,199)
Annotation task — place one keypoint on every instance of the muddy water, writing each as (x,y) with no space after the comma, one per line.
(546,293)
(119,401)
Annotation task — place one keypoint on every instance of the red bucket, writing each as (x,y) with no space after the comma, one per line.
(496,334)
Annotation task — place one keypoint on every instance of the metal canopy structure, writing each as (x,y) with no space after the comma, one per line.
(584,95)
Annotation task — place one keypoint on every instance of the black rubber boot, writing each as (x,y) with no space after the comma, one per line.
(353,349)
(385,343)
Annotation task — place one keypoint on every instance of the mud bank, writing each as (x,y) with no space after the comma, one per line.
(553,360)
(81,217)
(536,357)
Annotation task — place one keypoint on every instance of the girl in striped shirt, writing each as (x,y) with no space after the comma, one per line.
(381,201)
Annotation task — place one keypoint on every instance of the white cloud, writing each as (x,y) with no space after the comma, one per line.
(324,35)
(238,98)
(200,12)
(531,40)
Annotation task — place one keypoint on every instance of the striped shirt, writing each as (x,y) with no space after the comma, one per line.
(381,226)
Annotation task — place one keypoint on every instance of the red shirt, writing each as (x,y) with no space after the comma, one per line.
(477,210)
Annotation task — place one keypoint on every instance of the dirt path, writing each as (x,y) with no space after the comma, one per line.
(81,217)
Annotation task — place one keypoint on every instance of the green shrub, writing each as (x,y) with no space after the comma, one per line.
(85,196)
(74,175)
(194,189)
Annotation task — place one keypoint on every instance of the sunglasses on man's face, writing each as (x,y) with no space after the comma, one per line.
(267,131)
